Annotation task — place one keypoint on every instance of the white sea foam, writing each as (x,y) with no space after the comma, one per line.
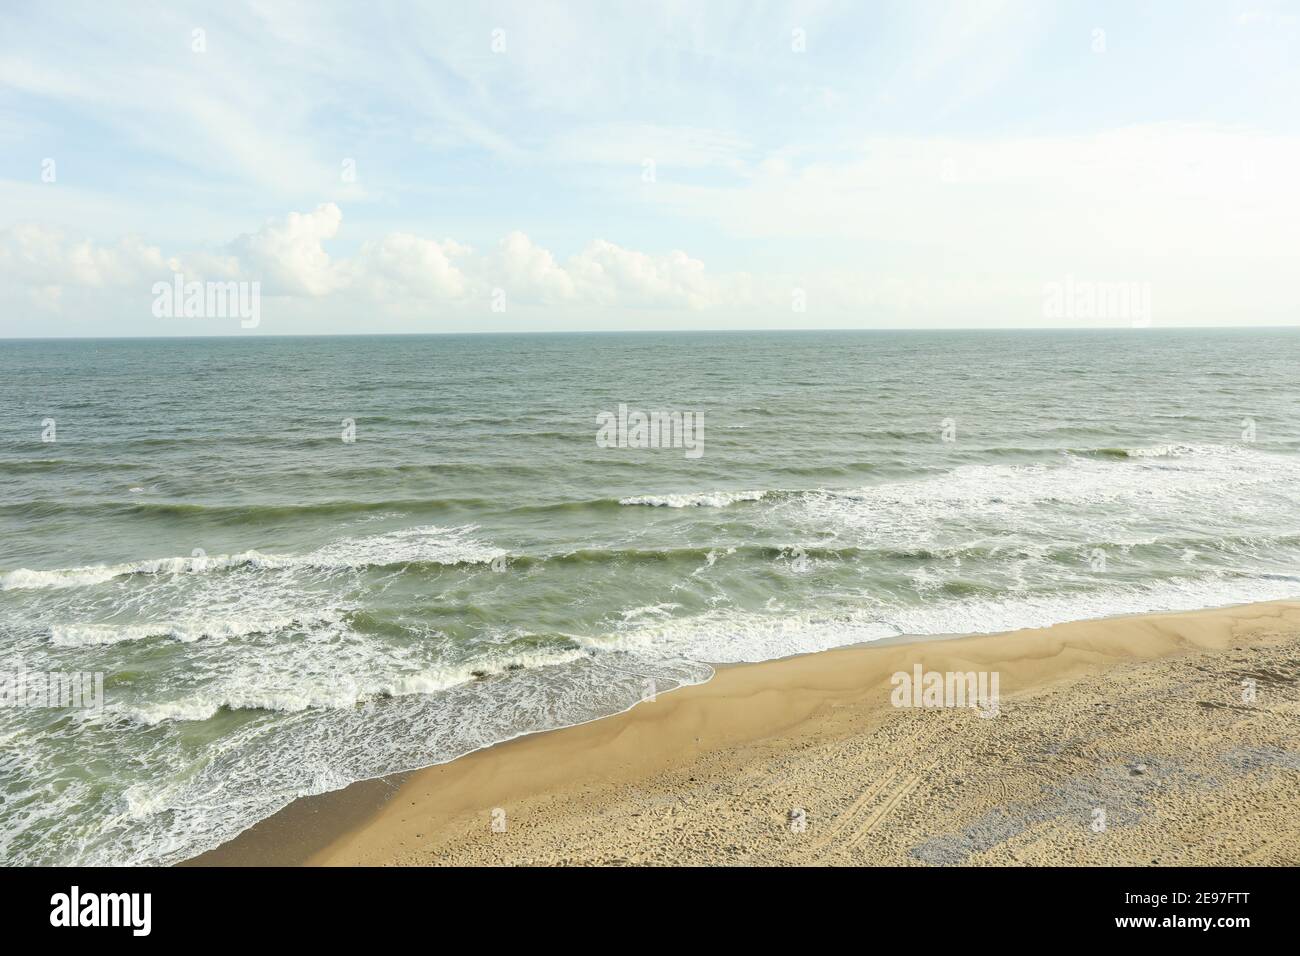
(728,636)
(428,544)
(1152,471)
(248,774)
(731,636)
(650,610)
(284,692)
(1165,451)
(702,499)
(24,578)
(186,631)
(1075,501)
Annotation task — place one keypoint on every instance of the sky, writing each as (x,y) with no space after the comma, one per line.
(456,167)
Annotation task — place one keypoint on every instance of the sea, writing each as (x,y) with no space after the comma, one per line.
(294,563)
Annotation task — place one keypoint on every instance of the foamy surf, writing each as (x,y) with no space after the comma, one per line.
(701,499)
(732,637)
(336,692)
(186,631)
(431,544)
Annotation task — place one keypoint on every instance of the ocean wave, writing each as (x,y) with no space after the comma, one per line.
(408,548)
(421,545)
(701,499)
(185,631)
(731,636)
(650,610)
(1172,450)
(24,578)
(337,694)
(1027,495)
(723,636)
(1162,451)
(428,544)
(234,515)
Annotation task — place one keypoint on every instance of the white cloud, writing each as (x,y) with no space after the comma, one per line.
(287,255)
(37,255)
(401,270)
(402,266)
(529,272)
(611,275)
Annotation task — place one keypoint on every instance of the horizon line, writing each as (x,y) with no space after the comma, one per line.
(372,335)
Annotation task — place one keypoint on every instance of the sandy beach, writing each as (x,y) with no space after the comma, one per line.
(1157,739)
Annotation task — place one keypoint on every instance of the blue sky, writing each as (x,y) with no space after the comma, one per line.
(647,165)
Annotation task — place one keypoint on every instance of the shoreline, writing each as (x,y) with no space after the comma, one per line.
(712,773)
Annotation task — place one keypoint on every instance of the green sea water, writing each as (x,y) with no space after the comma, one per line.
(300,562)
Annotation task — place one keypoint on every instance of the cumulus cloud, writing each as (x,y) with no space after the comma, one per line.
(609,274)
(290,258)
(528,272)
(39,255)
(39,261)
(402,265)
